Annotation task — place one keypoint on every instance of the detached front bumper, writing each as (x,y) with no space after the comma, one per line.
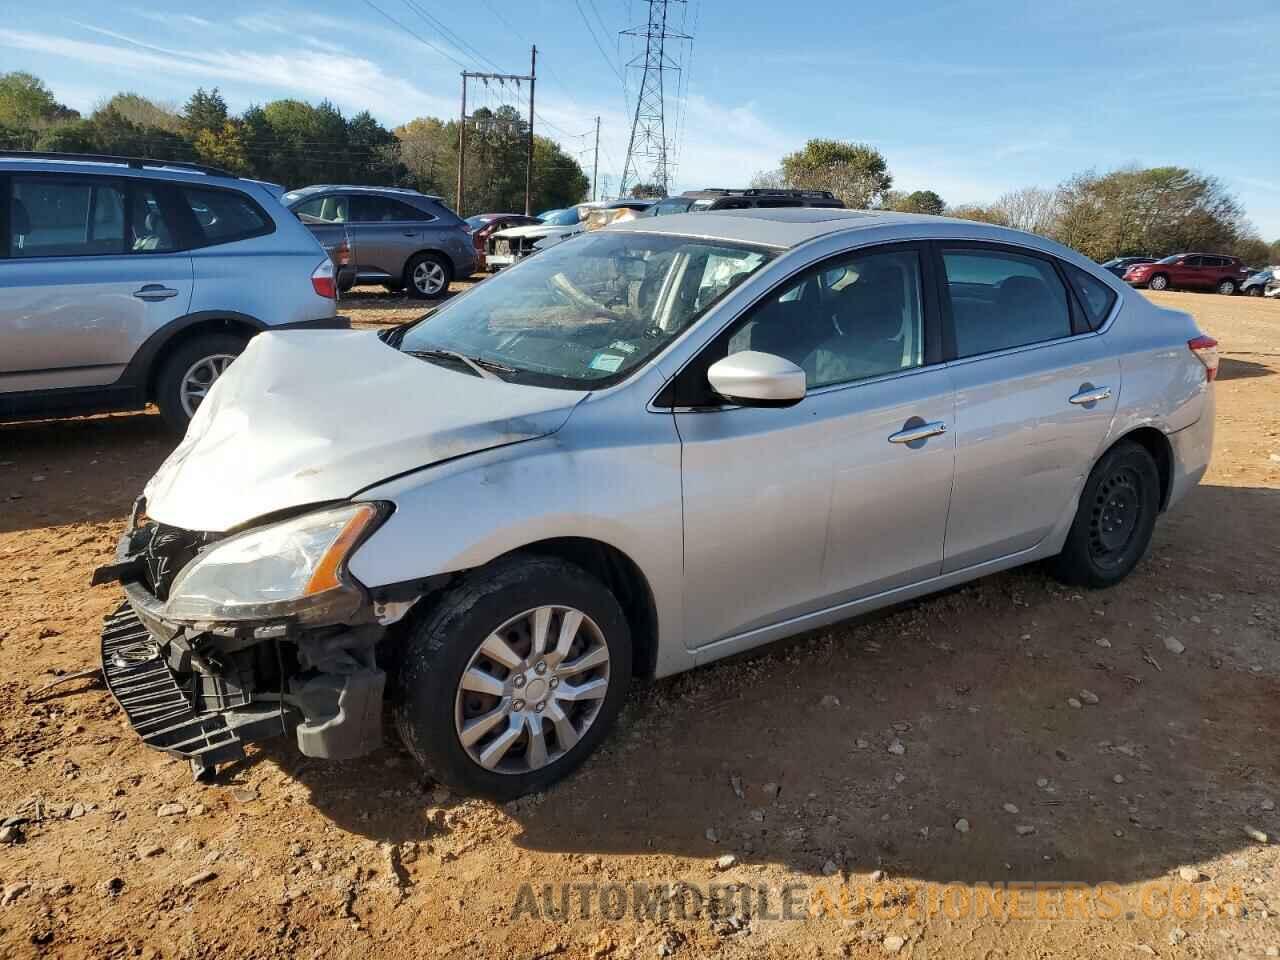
(203,691)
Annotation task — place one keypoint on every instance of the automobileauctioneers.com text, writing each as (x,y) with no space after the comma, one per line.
(886,900)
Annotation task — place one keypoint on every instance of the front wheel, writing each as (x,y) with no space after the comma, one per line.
(190,372)
(427,276)
(514,677)
(1227,288)
(1158,282)
(1114,521)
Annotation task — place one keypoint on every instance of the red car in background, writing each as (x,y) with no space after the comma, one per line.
(484,225)
(1190,271)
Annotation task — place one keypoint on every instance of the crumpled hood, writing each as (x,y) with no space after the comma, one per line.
(308,416)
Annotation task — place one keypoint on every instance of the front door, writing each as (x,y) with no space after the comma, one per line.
(843,495)
(388,232)
(92,269)
(1034,401)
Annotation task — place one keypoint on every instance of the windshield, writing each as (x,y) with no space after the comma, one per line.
(583,314)
(562,218)
(475,223)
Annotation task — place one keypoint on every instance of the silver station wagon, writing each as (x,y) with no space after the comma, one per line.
(645,449)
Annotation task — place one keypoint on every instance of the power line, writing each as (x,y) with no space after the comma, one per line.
(416,36)
(649,139)
(449,35)
(587,23)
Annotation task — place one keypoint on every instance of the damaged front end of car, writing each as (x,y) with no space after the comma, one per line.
(227,639)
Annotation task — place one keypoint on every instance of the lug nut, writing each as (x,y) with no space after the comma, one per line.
(518,705)
(539,706)
(541,667)
(555,682)
(518,681)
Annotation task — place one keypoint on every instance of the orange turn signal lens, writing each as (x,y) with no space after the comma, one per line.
(326,576)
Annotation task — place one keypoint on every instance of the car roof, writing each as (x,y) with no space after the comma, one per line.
(785,227)
(153,169)
(361,188)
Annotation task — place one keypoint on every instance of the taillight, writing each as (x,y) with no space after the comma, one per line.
(322,279)
(1206,351)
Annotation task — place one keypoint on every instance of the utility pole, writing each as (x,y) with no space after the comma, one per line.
(595,166)
(462,127)
(462,144)
(649,125)
(528,170)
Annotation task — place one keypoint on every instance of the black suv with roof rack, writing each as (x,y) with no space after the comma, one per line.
(720,198)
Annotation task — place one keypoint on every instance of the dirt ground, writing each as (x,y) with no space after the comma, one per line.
(991,742)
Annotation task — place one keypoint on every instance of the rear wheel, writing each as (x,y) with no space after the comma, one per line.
(1114,521)
(514,677)
(190,372)
(1255,290)
(1158,282)
(1227,288)
(427,276)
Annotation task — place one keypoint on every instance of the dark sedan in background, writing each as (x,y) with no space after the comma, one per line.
(1119,265)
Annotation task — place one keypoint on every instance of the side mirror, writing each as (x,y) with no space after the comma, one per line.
(756,379)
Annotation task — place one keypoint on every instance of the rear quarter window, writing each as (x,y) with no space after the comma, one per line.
(1095,297)
(224,216)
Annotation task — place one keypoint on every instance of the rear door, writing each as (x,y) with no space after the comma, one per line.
(1193,273)
(388,232)
(789,511)
(1035,397)
(92,266)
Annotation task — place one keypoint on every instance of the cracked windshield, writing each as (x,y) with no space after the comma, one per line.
(584,314)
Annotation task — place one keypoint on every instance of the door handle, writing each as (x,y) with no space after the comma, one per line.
(410,233)
(152,292)
(917,433)
(1090,395)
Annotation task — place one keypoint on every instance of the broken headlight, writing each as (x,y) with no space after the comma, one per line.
(294,569)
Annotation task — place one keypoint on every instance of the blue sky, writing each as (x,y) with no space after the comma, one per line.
(967,98)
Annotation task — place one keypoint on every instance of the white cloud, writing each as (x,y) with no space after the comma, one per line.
(353,82)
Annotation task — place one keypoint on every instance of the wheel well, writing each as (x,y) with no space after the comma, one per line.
(1156,444)
(223,325)
(624,579)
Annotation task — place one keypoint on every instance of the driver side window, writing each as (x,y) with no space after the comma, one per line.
(847,320)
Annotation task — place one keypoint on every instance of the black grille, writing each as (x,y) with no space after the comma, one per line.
(166,550)
(160,708)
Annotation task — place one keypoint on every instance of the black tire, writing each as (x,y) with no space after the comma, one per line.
(1227,288)
(441,644)
(168,395)
(1255,290)
(393,287)
(430,291)
(1114,521)
(1159,282)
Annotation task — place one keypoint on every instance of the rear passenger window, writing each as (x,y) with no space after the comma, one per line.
(322,210)
(225,215)
(1096,297)
(384,209)
(1001,300)
(151,231)
(55,217)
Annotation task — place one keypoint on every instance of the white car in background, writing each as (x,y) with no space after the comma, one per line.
(508,246)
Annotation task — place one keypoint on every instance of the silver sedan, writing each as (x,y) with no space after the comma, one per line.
(641,451)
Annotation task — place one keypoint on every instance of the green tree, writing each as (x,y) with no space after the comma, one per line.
(918,201)
(224,148)
(206,110)
(145,113)
(857,173)
(26,103)
(647,191)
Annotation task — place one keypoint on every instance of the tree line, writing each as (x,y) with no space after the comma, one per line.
(1153,211)
(295,143)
